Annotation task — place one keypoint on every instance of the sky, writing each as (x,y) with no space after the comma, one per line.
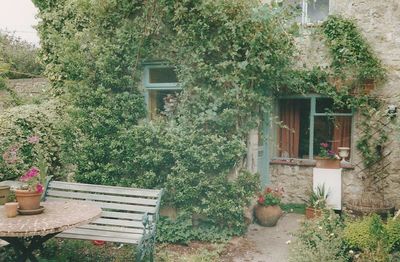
(18,17)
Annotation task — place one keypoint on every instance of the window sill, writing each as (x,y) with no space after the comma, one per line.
(302,162)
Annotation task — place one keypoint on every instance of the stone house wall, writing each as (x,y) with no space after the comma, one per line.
(379,22)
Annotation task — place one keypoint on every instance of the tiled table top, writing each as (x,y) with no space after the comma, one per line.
(56,217)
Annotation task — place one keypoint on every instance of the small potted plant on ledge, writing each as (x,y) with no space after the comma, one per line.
(317,202)
(267,210)
(327,158)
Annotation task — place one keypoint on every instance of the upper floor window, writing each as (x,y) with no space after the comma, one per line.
(161,89)
(315,11)
(310,11)
(306,122)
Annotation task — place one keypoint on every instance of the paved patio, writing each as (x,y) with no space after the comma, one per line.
(270,243)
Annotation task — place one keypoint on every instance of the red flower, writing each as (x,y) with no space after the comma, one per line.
(261,200)
(268,190)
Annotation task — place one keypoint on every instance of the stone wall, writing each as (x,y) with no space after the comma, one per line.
(27,89)
(379,22)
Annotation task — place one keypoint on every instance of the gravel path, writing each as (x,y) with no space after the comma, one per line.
(270,243)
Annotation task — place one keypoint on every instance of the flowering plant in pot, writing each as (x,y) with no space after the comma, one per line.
(317,202)
(267,210)
(30,193)
(327,158)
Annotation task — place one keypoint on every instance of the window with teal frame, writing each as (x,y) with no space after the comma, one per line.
(306,122)
(161,88)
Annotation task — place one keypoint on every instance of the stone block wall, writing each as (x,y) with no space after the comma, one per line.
(379,22)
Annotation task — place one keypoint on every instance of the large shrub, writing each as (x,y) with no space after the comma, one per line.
(19,123)
(20,57)
(229,56)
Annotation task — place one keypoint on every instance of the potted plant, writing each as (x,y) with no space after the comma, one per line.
(317,202)
(267,210)
(327,158)
(29,195)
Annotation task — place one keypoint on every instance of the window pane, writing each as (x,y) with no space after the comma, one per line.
(325,105)
(317,10)
(336,131)
(162,75)
(294,132)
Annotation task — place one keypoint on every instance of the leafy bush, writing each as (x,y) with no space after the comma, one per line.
(365,233)
(393,231)
(319,240)
(20,57)
(19,123)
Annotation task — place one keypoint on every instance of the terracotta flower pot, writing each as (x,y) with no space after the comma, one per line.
(313,213)
(28,200)
(327,163)
(268,216)
(4,191)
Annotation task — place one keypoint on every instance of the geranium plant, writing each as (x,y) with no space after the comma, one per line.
(35,177)
(326,152)
(270,197)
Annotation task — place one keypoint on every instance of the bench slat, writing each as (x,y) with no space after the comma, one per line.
(113,206)
(101,197)
(105,189)
(113,228)
(110,239)
(91,232)
(132,216)
(117,222)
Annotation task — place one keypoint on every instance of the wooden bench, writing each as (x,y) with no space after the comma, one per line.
(129,214)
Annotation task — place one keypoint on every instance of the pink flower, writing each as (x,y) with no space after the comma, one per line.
(10,156)
(325,145)
(34,171)
(33,139)
(39,188)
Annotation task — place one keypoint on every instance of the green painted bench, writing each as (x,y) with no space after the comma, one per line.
(129,215)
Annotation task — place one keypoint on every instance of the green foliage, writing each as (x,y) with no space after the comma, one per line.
(16,125)
(182,230)
(294,208)
(18,59)
(393,231)
(85,251)
(228,57)
(318,197)
(352,56)
(319,240)
(371,234)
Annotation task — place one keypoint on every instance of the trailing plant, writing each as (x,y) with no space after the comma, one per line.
(352,57)
(228,57)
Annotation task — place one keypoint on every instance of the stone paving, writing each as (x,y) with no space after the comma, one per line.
(271,243)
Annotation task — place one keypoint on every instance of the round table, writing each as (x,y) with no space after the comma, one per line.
(36,229)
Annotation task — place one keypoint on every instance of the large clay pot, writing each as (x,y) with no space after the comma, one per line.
(313,213)
(268,216)
(28,200)
(4,191)
(327,163)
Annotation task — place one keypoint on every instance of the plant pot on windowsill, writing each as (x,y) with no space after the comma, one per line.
(328,163)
